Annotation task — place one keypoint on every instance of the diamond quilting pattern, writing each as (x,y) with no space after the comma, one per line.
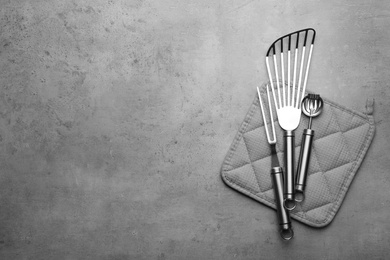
(354,139)
(244,177)
(256,121)
(317,193)
(264,180)
(325,124)
(332,148)
(336,180)
(347,121)
(240,158)
(314,165)
(253,139)
(320,214)
(341,140)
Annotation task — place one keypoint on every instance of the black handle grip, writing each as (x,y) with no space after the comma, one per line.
(303,163)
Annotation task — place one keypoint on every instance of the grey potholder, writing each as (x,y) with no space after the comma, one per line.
(342,138)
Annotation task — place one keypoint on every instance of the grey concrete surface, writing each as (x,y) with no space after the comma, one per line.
(115,117)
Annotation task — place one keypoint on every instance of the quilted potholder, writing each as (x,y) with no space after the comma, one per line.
(342,138)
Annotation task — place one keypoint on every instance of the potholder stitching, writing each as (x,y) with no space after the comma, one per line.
(254,172)
(358,162)
(327,184)
(339,196)
(330,213)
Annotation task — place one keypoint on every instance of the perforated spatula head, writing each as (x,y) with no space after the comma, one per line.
(288,101)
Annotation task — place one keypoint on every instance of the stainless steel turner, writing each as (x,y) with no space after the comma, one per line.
(288,102)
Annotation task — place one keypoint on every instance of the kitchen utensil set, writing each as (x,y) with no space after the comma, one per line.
(288,87)
(288,103)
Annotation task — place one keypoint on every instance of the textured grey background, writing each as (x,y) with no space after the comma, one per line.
(115,117)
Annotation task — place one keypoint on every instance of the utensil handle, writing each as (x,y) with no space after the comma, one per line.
(289,189)
(283,215)
(303,163)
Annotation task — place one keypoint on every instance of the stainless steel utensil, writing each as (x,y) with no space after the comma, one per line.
(288,104)
(286,231)
(311,106)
